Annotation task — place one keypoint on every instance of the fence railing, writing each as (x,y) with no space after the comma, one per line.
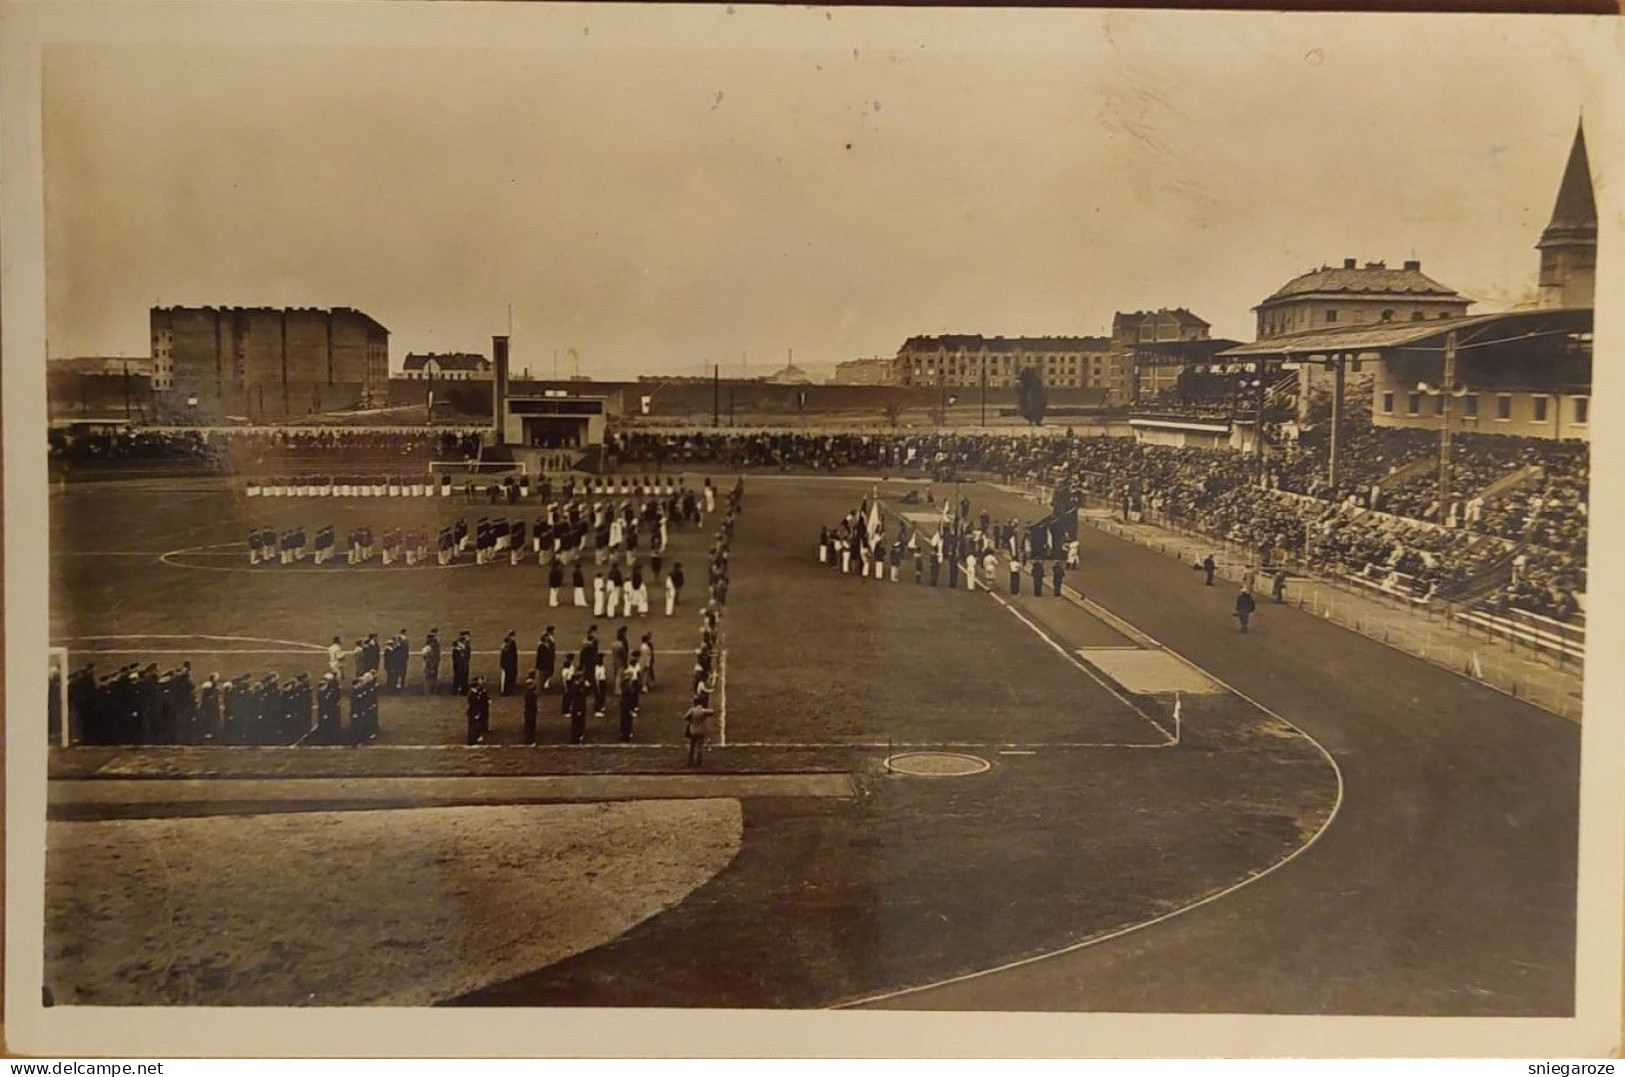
(1549,679)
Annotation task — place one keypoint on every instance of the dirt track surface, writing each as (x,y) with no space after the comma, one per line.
(364,907)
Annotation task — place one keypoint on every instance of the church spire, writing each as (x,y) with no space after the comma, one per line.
(1568,247)
(1574,216)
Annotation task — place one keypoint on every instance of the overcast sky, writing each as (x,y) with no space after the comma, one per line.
(656,208)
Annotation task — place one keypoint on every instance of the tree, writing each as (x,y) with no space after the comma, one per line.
(1031,400)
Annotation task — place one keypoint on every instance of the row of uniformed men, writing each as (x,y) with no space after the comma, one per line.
(139,705)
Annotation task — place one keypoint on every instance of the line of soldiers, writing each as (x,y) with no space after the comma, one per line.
(140,705)
(564,532)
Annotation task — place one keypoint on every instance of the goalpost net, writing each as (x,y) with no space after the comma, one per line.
(57,673)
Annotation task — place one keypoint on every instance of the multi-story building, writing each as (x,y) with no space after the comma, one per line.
(1141,371)
(964,360)
(880,371)
(452,366)
(260,362)
(1331,297)
(1568,246)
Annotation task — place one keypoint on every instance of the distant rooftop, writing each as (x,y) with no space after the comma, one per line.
(977,342)
(1372,279)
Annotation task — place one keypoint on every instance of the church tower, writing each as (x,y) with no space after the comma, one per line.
(1568,247)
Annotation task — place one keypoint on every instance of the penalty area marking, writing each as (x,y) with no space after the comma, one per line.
(1248,880)
(1091,674)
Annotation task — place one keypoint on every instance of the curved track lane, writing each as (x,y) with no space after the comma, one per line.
(1446,885)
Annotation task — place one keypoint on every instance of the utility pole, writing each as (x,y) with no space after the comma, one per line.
(1444,426)
(716,394)
(984,390)
(1258,420)
(1337,418)
(126,390)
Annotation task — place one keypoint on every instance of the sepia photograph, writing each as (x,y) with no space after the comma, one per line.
(762,510)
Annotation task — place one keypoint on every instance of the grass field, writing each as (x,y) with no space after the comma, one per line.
(1086,820)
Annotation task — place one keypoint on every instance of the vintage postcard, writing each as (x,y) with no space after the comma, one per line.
(569,529)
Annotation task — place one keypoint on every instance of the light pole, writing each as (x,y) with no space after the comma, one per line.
(1448,388)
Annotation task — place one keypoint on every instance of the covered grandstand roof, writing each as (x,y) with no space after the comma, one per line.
(1476,330)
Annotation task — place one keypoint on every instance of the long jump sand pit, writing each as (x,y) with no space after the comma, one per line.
(401,908)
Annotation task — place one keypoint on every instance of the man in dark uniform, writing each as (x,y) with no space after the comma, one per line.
(329,720)
(358,709)
(1057,575)
(631,690)
(403,658)
(1244,607)
(479,712)
(1038,579)
(1208,568)
(546,656)
(532,702)
(461,654)
(575,702)
(509,664)
(209,712)
(431,662)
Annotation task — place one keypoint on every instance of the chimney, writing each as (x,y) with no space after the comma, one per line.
(1350,263)
(1414,264)
(1376,265)
(499,383)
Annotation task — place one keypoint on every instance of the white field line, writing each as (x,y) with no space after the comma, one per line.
(1096,940)
(1080,664)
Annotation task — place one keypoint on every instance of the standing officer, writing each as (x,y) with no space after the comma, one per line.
(546,656)
(1057,575)
(479,712)
(328,718)
(461,654)
(509,664)
(431,662)
(1244,607)
(631,690)
(532,701)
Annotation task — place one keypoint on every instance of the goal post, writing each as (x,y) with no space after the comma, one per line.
(56,678)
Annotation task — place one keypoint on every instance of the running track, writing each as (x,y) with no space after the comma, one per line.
(1446,884)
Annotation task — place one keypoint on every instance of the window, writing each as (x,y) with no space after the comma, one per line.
(1417,316)
(1331,314)
(1540,409)
(1470,406)
(1387,403)
(1582,410)
(1413,404)
(1503,407)
(1387,315)
(1438,404)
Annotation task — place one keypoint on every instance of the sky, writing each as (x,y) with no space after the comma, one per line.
(644,205)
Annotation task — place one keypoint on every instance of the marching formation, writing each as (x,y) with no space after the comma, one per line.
(612,522)
(141,705)
(970,548)
(590,676)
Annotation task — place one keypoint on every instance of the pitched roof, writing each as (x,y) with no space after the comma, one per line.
(448,361)
(1574,216)
(977,342)
(1179,314)
(1373,279)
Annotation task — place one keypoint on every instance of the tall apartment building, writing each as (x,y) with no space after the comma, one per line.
(962,360)
(1144,373)
(264,362)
